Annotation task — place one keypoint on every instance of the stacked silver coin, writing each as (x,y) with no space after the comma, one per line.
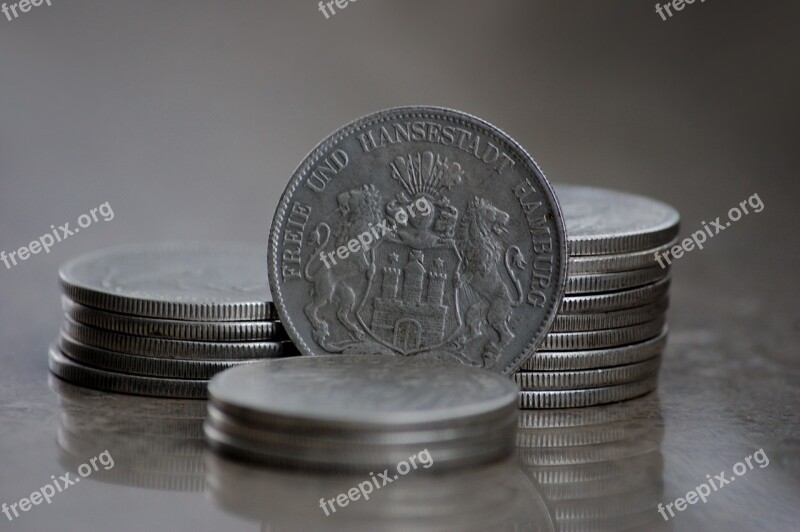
(162,319)
(606,342)
(365,413)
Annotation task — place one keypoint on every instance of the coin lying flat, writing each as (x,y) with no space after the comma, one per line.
(619,262)
(602,222)
(174,329)
(176,349)
(587,397)
(622,299)
(76,373)
(179,281)
(143,365)
(580,379)
(356,412)
(419,232)
(609,282)
(610,320)
(572,341)
(362,393)
(596,358)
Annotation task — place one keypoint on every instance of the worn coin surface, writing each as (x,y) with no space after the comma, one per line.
(609,282)
(592,378)
(420,232)
(602,222)
(203,331)
(570,341)
(143,365)
(178,349)
(82,375)
(179,281)
(587,397)
(361,393)
(622,299)
(596,358)
(619,262)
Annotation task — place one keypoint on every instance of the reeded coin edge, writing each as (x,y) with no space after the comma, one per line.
(588,397)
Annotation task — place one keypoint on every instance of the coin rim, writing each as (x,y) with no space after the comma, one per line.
(417,111)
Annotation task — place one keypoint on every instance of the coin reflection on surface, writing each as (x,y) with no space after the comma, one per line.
(492,497)
(598,468)
(155,443)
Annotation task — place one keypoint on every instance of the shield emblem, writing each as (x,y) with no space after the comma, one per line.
(411,304)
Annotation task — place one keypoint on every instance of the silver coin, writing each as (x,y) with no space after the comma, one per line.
(610,320)
(143,365)
(581,379)
(620,262)
(635,297)
(575,341)
(601,222)
(353,442)
(178,281)
(174,349)
(609,282)
(588,397)
(200,331)
(446,457)
(71,371)
(474,243)
(376,393)
(597,358)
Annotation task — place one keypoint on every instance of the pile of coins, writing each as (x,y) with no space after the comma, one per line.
(161,320)
(608,335)
(364,413)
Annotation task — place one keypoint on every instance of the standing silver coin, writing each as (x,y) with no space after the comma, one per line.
(419,232)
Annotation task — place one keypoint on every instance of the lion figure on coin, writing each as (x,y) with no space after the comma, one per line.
(481,235)
(358,210)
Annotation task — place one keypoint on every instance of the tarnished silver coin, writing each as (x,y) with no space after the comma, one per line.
(360,394)
(620,262)
(200,331)
(596,358)
(587,397)
(178,281)
(591,378)
(143,365)
(610,320)
(609,282)
(177,349)
(419,232)
(108,381)
(572,341)
(602,222)
(622,299)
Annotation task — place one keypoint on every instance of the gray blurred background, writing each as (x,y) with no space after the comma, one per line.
(189,117)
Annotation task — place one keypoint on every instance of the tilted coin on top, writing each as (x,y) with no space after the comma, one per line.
(178,281)
(603,222)
(419,231)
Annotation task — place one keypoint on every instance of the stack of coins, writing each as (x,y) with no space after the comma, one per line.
(161,320)
(365,413)
(607,338)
